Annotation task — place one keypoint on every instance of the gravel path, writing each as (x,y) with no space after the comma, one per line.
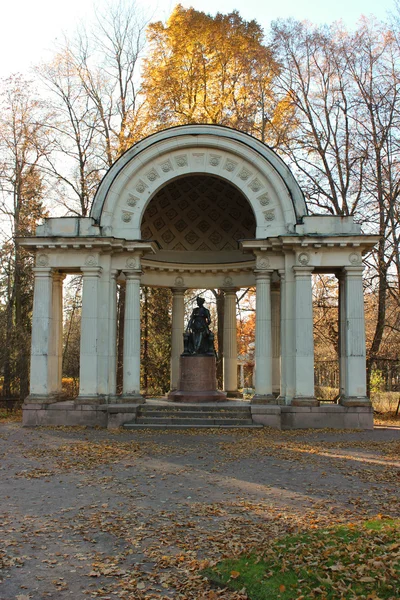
(137,515)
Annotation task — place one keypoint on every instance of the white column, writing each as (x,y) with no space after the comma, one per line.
(178,326)
(283,358)
(304,392)
(263,349)
(88,370)
(56,341)
(40,378)
(230,344)
(112,339)
(355,393)
(276,338)
(342,335)
(131,366)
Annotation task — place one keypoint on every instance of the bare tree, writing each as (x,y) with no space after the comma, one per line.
(23,147)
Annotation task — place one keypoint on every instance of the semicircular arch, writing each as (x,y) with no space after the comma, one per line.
(254,169)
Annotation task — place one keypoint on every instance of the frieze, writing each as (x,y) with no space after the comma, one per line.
(140,186)
(179,281)
(166,166)
(91,260)
(42,260)
(269,215)
(152,175)
(264,199)
(126,217)
(304,258)
(182,160)
(262,262)
(355,258)
(244,174)
(215,159)
(132,262)
(132,200)
(230,166)
(256,185)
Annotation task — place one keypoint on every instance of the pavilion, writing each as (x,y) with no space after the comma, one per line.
(199,206)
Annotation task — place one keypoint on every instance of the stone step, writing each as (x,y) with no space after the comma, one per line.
(228,414)
(188,426)
(210,421)
(191,407)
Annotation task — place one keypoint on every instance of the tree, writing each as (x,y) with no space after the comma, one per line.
(92,80)
(23,146)
(222,73)
(344,91)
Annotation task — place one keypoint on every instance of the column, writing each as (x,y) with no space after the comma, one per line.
(276,339)
(178,327)
(304,359)
(40,379)
(56,341)
(230,345)
(88,369)
(112,339)
(263,349)
(355,387)
(131,362)
(342,335)
(282,333)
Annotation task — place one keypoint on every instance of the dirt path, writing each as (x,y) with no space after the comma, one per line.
(93,514)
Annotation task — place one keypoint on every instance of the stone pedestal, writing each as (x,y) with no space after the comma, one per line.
(197,380)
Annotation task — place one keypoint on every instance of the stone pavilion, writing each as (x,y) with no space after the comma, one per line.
(199,206)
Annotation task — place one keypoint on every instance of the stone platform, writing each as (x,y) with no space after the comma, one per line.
(112,416)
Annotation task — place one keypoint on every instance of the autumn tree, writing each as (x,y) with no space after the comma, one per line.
(222,73)
(23,147)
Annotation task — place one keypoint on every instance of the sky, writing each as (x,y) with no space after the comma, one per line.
(29,29)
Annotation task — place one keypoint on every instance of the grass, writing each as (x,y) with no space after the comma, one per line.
(357,561)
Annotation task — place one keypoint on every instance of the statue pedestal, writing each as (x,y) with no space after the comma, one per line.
(197,380)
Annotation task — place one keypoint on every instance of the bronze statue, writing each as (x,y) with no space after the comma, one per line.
(198,339)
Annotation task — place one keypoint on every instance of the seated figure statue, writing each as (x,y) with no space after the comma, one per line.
(198,339)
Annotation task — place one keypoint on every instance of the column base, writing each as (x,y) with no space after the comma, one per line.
(94,400)
(281,400)
(233,394)
(38,399)
(263,399)
(355,401)
(304,401)
(129,399)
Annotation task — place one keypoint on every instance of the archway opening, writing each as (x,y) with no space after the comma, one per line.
(201,215)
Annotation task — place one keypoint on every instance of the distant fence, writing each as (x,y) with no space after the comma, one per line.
(385,374)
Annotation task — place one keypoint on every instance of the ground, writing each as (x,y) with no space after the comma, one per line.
(93,514)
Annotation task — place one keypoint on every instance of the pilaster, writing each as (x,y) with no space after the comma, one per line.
(178,327)
(230,344)
(355,385)
(304,359)
(131,362)
(56,338)
(342,334)
(276,337)
(112,339)
(41,386)
(263,341)
(88,371)
(282,333)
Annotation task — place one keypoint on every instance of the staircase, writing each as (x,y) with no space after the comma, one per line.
(185,416)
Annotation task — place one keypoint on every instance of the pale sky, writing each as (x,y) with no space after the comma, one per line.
(29,28)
